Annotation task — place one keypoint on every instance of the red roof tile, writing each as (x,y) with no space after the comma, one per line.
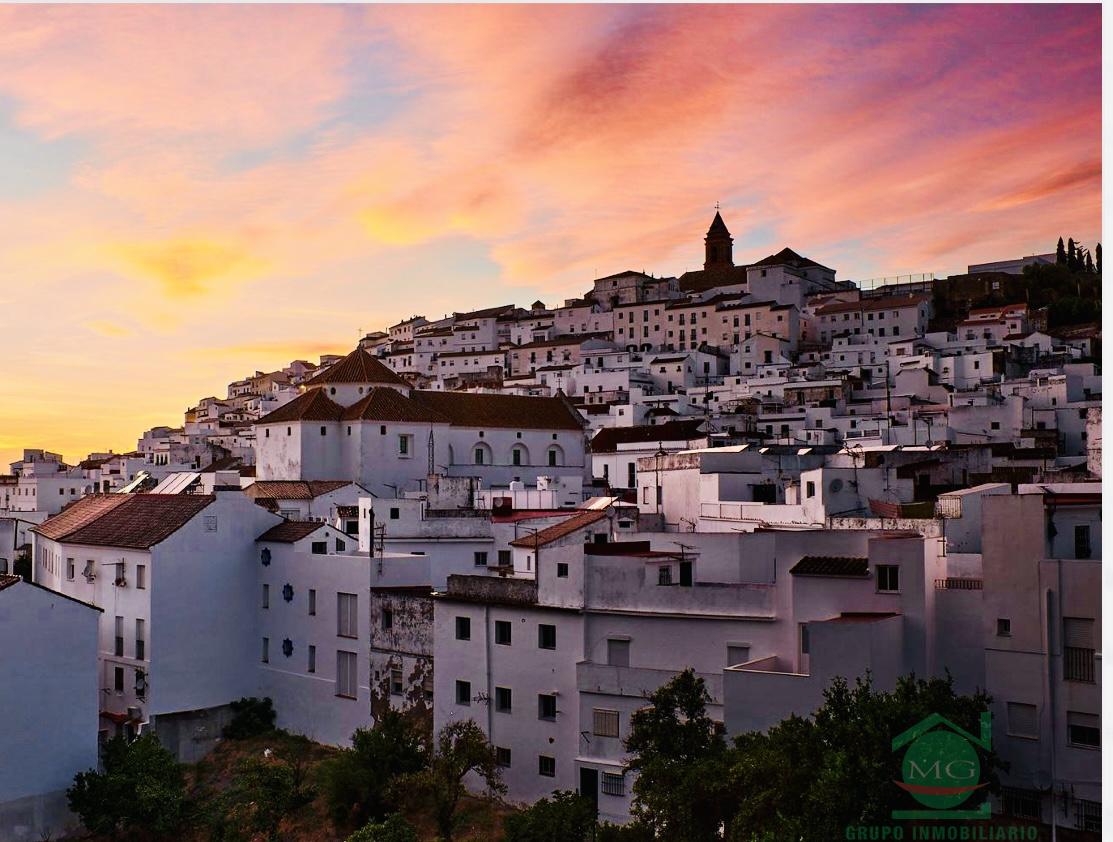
(559,530)
(313,405)
(469,409)
(281,489)
(357,367)
(290,531)
(138,521)
(386,404)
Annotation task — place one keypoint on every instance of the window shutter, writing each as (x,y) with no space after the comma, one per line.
(1078,633)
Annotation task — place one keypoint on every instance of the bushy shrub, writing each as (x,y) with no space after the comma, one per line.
(250,717)
(566,817)
(393,829)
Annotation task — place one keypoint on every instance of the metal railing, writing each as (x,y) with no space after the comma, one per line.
(1078,664)
(958,583)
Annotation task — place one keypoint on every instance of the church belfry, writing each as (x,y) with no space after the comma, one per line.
(718,245)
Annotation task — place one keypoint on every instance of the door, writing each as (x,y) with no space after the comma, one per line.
(686,574)
(589,786)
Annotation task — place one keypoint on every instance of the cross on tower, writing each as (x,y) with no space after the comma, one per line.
(717,206)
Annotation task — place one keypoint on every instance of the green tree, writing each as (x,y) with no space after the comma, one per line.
(461,748)
(1090,263)
(250,717)
(141,788)
(808,779)
(393,829)
(356,782)
(1061,253)
(262,794)
(566,817)
(680,756)
(1072,255)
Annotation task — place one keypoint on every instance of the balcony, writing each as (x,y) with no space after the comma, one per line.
(957,583)
(1078,664)
(636,682)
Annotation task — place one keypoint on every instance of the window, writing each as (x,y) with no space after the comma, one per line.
(480,558)
(118,679)
(1083,729)
(347,623)
(516,456)
(388,619)
(312,602)
(404,445)
(340,546)
(552,458)
(737,655)
(502,632)
(1022,720)
(121,573)
(995,425)
(320,547)
(664,575)
(266,596)
(546,766)
(463,692)
(266,650)
(1078,649)
(1087,815)
(396,682)
(504,558)
(546,636)
(888,578)
(311,666)
(810,489)
(394,514)
(562,570)
(503,699)
(140,576)
(463,628)
(546,706)
(140,640)
(1021,803)
(1081,541)
(502,756)
(479,456)
(70,569)
(346,676)
(119,637)
(1004,627)
(618,653)
(614,784)
(604,723)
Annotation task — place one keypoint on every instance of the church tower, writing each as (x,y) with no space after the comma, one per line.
(718,245)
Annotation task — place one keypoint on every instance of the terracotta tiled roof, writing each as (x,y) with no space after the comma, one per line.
(825,565)
(787,256)
(79,514)
(468,409)
(892,303)
(281,489)
(608,439)
(138,521)
(386,404)
(314,405)
(357,367)
(559,530)
(290,531)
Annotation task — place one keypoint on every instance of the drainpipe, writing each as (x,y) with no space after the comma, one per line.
(1051,638)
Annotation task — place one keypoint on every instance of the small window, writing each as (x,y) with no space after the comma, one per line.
(480,558)
(70,571)
(546,706)
(502,632)
(463,692)
(347,684)
(266,596)
(810,489)
(664,575)
(1022,720)
(614,784)
(995,425)
(394,514)
(312,602)
(504,558)
(118,676)
(502,756)
(546,636)
(1083,729)
(504,699)
(1004,627)
(266,650)
(562,570)
(1082,547)
(140,575)
(463,628)
(396,682)
(546,766)
(888,578)
(737,655)
(618,653)
(604,723)
(320,547)
(388,619)
(311,663)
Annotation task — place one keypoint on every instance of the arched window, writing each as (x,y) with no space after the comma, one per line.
(519,455)
(555,456)
(481,453)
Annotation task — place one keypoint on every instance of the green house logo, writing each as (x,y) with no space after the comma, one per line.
(942,768)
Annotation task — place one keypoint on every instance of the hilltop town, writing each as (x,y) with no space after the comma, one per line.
(532,517)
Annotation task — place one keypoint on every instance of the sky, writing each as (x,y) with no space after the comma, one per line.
(192,193)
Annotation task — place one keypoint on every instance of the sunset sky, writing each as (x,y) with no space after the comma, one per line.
(191,193)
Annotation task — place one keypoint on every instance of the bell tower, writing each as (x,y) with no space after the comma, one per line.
(718,245)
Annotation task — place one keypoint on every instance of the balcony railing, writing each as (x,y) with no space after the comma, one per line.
(956,583)
(1078,664)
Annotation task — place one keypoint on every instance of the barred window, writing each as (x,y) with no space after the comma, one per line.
(1087,815)
(604,722)
(1021,803)
(614,784)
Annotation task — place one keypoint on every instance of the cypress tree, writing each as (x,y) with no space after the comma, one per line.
(1097,257)
(1072,259)
(1060,253)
